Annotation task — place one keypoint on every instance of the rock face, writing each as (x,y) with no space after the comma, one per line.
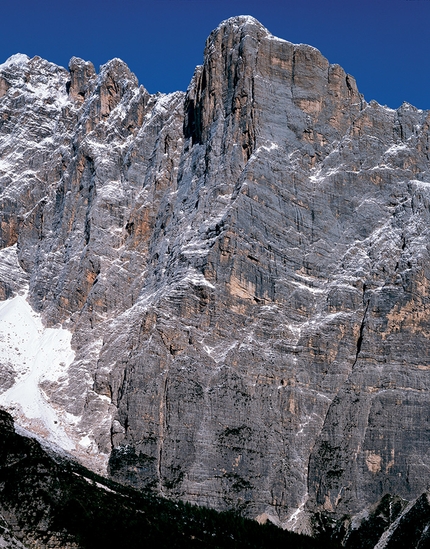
(244,267)
(50,502)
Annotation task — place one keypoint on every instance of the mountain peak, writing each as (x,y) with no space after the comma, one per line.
(241,21)
(16,59)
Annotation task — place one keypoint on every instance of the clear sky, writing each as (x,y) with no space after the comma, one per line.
(385,44)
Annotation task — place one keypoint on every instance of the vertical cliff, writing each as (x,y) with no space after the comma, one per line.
(244,269)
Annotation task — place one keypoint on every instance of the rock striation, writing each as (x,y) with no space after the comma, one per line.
(244,268)
(48,501)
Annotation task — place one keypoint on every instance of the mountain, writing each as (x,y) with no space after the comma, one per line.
(227,290)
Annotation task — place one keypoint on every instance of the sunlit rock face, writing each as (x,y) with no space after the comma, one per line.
(244,268)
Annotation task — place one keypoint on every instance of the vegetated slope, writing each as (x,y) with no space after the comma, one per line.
(47,502)
(244,269)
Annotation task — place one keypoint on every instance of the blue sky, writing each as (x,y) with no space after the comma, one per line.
(385,44)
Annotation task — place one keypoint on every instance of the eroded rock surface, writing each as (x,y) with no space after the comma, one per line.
(244,267)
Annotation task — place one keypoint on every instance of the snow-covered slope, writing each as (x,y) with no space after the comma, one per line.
(35,363)
(34,357)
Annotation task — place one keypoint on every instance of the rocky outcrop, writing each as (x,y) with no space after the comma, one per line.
(244,268)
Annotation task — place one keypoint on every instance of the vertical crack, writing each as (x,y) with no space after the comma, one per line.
(362,325)
(163,410)
(293,72)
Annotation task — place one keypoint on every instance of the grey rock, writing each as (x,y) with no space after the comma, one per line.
(244,268)
(391,523)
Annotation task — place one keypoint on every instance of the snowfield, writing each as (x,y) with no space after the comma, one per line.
(33,354)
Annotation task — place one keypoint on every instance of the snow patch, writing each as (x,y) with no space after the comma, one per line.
(219,352)
(16,59)
(422,184)
(35,357)
(301,286)
(271,146)
(277,39)
(293,523)
(85,441)
(394,149)
(197,279)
